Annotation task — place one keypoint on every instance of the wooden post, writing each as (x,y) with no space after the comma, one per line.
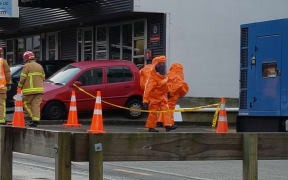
(250,160)
(95,158)
(63,156)
(5,153)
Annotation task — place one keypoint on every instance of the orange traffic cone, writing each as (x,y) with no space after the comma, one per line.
(97,120)
(72,116)
(222,126)
(18,116)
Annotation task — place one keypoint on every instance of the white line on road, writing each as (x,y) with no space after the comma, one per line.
(160,172)
(132,172)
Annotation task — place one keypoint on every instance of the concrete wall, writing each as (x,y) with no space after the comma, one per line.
(204,35)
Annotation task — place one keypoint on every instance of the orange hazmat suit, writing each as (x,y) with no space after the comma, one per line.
(155,94)
(177,87)
(144,75)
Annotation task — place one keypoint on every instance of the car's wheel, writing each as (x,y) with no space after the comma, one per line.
(135,104)
(54,111)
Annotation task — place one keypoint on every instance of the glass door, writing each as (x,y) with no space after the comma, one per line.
(10,51)
(101,43)
(114,42)
(88,44)
(20,50)
(127,42)
(85,44)
(139,44)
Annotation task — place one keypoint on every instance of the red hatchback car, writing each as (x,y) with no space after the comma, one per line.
(117,80)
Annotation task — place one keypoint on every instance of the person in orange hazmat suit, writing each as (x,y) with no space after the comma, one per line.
(177,87)
(155,94)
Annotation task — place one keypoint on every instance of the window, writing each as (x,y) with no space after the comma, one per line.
(64,75)
(127,42)
(139,34)
(119,74)
(88,44)
(114,42)
(269,70)
(20,50)
(29,44)
(101,42)
(91,77)
(85,44)
(33,44)
(52,46)
(79,45)
(36,47)
(10,51)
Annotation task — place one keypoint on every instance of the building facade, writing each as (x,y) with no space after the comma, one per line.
(83,30)
(202,35)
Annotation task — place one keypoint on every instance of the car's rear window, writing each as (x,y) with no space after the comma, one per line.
(119,74)
(64,75)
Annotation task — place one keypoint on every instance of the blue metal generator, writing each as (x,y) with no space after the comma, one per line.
(263,99)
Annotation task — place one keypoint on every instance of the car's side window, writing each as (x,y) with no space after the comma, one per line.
(119,74)
(91,77)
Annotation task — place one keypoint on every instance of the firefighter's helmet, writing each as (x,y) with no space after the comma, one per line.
(28,55)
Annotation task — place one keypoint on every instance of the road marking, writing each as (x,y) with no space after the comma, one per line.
(155,171)
(132,172)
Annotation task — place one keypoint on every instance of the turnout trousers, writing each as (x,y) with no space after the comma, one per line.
(3,107)
(31,104)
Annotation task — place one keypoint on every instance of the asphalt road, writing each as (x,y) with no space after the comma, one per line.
(28,167)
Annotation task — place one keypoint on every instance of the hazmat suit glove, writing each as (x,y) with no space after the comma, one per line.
(145,106)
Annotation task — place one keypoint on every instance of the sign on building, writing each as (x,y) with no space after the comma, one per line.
(9,8)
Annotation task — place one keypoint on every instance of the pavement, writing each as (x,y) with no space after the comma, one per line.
(116,122)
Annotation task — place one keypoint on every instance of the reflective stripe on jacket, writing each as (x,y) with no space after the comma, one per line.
(31,79)
(5,77)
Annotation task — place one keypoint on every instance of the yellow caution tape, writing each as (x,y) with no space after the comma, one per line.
(215,118)
(140,110)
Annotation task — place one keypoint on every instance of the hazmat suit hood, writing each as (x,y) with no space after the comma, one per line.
(145,72)
(159,64)
(158,59)
(177,69)
(176,83)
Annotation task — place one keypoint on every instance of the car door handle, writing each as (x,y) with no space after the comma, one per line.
(127,86)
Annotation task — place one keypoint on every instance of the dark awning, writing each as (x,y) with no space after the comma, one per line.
(52,3)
